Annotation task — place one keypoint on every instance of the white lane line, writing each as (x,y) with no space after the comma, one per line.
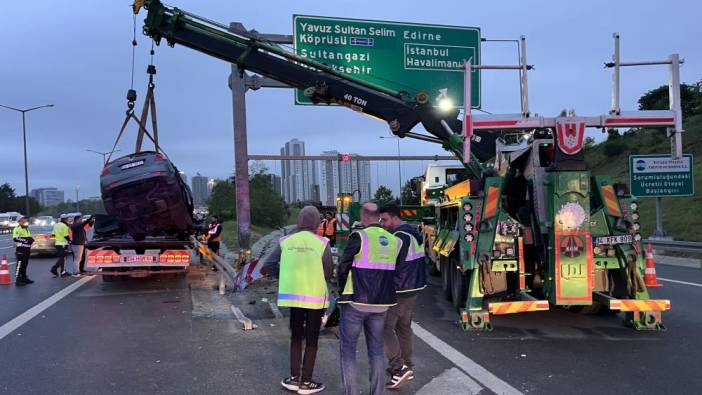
(482,375)
(451,381)
(679,282)
(37,309)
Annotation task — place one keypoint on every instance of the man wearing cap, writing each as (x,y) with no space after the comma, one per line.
(23,243)
(303,263)
(62,237)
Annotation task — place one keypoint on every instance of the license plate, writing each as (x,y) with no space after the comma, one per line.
(139,258)
(132,164)
(620,239)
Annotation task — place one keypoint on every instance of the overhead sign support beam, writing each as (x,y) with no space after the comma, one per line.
(675,130)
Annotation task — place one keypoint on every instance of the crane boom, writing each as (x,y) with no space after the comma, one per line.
(322,84)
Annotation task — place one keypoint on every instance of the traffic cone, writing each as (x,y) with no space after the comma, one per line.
(5,277)
(650,278)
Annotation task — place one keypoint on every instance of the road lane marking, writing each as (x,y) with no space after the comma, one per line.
(39,308)
(679,282)
(451,381)
(479,373)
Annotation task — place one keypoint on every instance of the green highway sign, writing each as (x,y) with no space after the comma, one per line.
(661,176)
(408,57)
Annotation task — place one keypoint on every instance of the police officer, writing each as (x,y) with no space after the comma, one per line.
(62,237)
(366,278)
(23,242)
(410,278)
(304,263)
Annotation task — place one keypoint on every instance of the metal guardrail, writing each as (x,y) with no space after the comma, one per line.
(228,272)
(672,245)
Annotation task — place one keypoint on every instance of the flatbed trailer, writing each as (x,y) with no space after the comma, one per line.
(123,256)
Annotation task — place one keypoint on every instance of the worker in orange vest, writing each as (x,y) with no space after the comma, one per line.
(330,228)
(321,226)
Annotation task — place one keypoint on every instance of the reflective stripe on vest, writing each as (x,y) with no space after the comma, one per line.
(330,227)
(302,282)
(415,250)
(20,232)
(373,254)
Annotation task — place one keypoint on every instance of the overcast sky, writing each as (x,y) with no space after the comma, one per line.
(77,55)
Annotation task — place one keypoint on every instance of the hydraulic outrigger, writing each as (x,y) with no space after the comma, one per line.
(530,228)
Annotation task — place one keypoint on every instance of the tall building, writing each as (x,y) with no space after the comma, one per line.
(275,181)
(299,177)
(201,192)
(48,196)
(354,176)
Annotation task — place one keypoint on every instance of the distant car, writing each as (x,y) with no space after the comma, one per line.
(45,220)
(43,240)
(10,219)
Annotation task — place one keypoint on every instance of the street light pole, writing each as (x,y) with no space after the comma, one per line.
(104,154)
(24,139)
(399,164)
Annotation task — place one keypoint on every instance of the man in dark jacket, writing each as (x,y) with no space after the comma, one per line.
(78,240)
(410,278)
(366,275)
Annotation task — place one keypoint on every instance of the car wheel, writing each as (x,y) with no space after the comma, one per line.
(445,277)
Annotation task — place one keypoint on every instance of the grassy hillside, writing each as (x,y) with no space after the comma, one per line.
(682,216)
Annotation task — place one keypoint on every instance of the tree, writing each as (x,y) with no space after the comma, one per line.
(9,201)
(86,207)
(222,200)
(410,194)
(589,142)
(267,207)
(690,99)
(383,195)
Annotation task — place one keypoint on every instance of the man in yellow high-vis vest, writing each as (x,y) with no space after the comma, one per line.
(305,266)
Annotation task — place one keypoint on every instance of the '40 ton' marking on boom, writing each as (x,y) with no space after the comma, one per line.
(355,100)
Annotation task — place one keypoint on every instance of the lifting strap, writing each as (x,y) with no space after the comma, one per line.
(149,108)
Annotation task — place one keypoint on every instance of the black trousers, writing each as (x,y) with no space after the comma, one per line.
(214,246)
(304,323)
(22,263)
(61,259)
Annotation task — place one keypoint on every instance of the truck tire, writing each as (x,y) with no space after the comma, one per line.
(431,266)
(458,285)
(445,277)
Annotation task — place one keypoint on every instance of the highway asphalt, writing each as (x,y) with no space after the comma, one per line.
(145,336)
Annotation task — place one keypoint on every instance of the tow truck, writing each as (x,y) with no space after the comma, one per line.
(530,227)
